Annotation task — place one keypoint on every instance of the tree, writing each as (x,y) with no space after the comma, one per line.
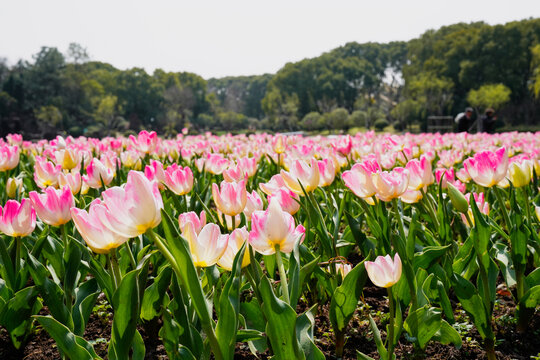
(493,95)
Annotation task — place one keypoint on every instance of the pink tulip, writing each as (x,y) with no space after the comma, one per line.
(343,269)
(288,200)
(274,229)
(216,164)
(343,145)
(98,175)
(72,179)
(14,139)
(67,158)
(198,222)
(390,184)
(487,168)
(155,171)
(411,196)
(482,204)
(276,182)
(327,172)
(46,173)
(234,174)
(420,173)
(302,173)
(17,219)
(131,210)
(207,246)
(236,240)
(231,198)
(384,272)
(248,165)
(98,237)
(179,180)
(253,203)
(359,179)
(146,142)
(9,157)
(53,206)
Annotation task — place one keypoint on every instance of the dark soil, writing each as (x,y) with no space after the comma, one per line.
(510,344)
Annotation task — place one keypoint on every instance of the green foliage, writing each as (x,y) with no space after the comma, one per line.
(380,124)
(492,95)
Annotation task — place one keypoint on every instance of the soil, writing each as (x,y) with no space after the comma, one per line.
(510,344)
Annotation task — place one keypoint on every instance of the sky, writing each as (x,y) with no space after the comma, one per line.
(216,38)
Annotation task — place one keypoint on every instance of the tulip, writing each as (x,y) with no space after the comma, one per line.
(537,211)
(67,158)
(230,198)
(98,237)
(384,272)
(17,219)
(482,204)
(390,184)
(520,172)
(279,144)
(131,159)
(420,173)
(46,173)
(288,200)
(98,174)
(216,164)
(72,179)
(53,206)
(274,229)
(14,186)
(155,171)
(9,157)
(302,173)
(359,179)
(179,180)
(458,200)
(463,175)
(253,203)
(411,196)
(234,174)
(131,210)
(343,269)
(487,168)
(236,240)
(198,222)
(207,246)
(276,182)
(146,142)
(14,139)
(327,172)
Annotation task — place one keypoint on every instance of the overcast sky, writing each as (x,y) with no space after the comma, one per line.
(229,37)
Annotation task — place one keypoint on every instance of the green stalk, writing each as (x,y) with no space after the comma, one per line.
(504,211)
(430,208)
(525,191)
(115,269)
(391,326)
(409,275)
(17,263)
(282,276)
(130,253)
(205,319)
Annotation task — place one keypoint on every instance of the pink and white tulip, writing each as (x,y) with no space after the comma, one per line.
(301,172)
(179,180)
(198,222)
(230,198)
(359,178)
(236,240)
(53,206)
(98,175)
(390,184)
(206,247)
(384,272)
(17,219)
(487,168)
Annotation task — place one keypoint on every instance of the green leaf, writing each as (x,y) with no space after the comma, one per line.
(447,335)
(155,293)
(481,234)
(126,314)
(345,297)
(281,325)
(16,314)
(85,298)
(377,338)
(245,335)
(428,320)
(531,298)
(472,303)
(71,345)
(254,318)
(464,263)
(304,332)
(429,255)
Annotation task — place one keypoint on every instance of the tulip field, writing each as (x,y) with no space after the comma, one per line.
(372,246)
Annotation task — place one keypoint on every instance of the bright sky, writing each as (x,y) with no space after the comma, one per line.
(216,38)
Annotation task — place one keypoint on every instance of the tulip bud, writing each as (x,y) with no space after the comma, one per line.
(12,185)
(537,210)
(458,199)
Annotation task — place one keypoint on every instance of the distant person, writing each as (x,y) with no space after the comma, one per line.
(464,120)
(487,121)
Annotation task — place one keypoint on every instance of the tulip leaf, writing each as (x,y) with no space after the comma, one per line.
(472,303)
(254,319)
(16,314)
(447,335)
(480,233)
(85,299)
(504,259)
(155,293)
(464,263)
(304,332)
(281,325)
(245,335)
(229,308)
(531,298)
(51,292)
(429,255)
(70,344)
(533,278)
(345,297)
(377,338)
(428,321)
(126,314)
(72,261)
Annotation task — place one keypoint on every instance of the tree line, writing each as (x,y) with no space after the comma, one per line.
(356,85)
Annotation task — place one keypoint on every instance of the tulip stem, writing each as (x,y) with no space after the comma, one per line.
(117,276)
(17,263)
(390,335)
(527,205)
(130,253)
(430,208)
(502,204)
(282,276)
